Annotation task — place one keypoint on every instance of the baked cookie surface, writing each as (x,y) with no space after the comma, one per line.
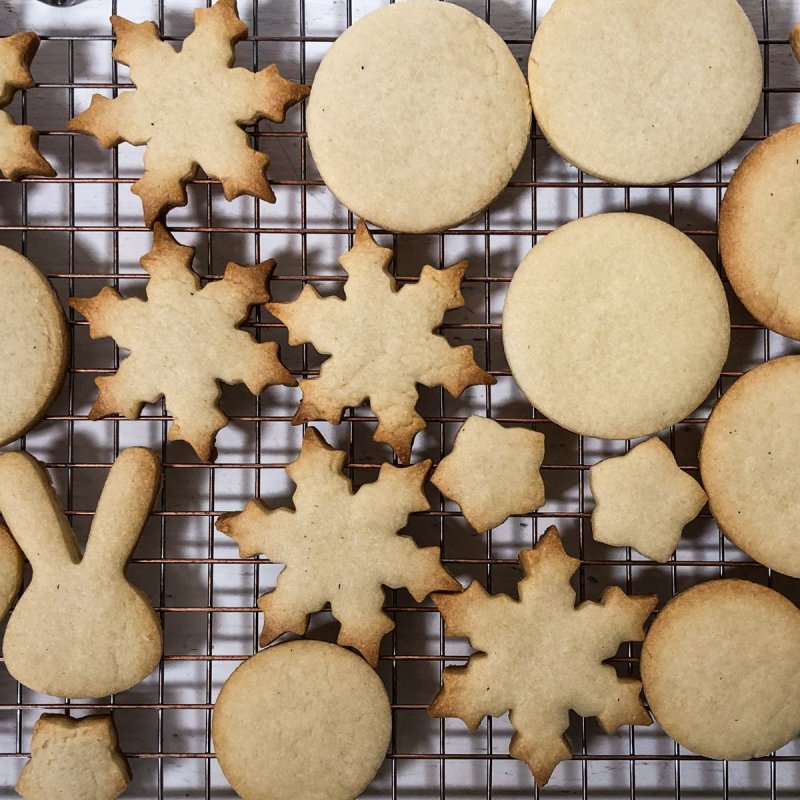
(644,91)
(418,116)
(616,326)
(748,461)
(759,232)
(719,668)
(34,345)
(302,719)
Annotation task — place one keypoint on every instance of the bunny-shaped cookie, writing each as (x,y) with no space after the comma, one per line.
(80,629)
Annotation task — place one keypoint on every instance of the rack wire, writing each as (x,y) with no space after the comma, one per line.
(84,230)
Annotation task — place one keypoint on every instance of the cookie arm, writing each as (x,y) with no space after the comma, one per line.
(123,508)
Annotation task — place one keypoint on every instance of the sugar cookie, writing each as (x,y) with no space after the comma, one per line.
(74,758)
(418,116)
(794,40)
(492,472)
(80,628)
(541,656)
(188,108)
(34,345)
(340,547)
(719,668)
(19,144)
(644,91)
(748,462)
(303,720)
(12,564)
(381,343)
(183,341)
(759,232)
(643,500)
(616,326)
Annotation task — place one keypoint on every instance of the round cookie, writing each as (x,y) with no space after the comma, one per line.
(616,326)
(759,232)
(644,91)
(302,719)
(418,116)
(749,464)
(12,564)
(719,669)
(34,347)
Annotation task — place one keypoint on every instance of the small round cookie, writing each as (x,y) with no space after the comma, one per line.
(616,326)
(418,116)
(34,347)
(719,669)
(759,234)
(12,563)
(749,464)
(644,91)
(303,720)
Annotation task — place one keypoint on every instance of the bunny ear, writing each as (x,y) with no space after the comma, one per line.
(123,508)
(32,511)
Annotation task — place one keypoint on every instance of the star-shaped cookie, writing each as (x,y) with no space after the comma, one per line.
(74,758)
(492,472)
(188,108)
(19,151)
(643,500)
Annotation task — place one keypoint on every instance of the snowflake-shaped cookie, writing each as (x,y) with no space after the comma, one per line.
(644,500)
(492,472)
(542,656)
(340,547)
(183,341)
(380,343)
(188,108)
(76,758)
(19,151)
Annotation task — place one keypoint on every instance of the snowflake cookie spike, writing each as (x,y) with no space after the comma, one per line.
(196,89)
(339,547)
(569,645)
(184,340)
(19,144)
(381,343)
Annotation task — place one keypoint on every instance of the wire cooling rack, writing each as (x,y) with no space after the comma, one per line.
(84,229)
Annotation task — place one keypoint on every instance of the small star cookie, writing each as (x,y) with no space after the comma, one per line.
(541,656)
(74,758)
(188,108)
(19,151)
(183,341)
(381,343)
(492,472)
(340,547)
(644,500)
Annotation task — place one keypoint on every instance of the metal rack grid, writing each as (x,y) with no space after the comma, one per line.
(184,562)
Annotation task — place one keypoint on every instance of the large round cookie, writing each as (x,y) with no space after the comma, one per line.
(302,721)
(34,347)
(759,232)
(418,116)
(616,326)
(644,91)
(750,467)
(719,669)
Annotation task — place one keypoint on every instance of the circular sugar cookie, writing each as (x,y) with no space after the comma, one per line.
(759,232)
(749,464)
(616,326)
(418,116)
(34,347)
(12,564)
(719,669)
(644,91)
(303,720)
